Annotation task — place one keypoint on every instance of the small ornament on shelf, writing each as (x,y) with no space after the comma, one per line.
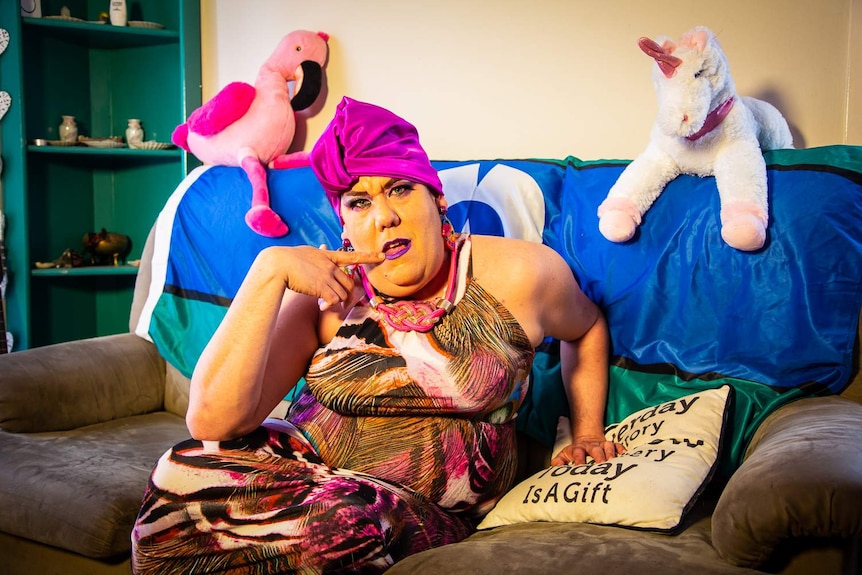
(134,133)
(68,259)
(68,129)
(118,13)
(107,248)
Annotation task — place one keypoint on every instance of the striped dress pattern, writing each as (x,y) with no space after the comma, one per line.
(399,442)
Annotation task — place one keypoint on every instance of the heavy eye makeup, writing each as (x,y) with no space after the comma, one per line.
(356,202)
(400,188)
(359,200)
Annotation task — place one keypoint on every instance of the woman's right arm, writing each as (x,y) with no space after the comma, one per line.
(266,339)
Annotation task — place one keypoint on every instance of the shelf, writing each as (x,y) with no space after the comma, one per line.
(123,270)
(108,152)
(94,35)
(52,195)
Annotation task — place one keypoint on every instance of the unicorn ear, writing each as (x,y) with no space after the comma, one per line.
(697,38)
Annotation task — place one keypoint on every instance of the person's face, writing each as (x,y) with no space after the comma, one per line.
(401,219)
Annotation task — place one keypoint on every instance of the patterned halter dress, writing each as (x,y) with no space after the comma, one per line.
(399,442)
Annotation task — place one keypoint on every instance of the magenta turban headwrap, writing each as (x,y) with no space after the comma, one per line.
(367,140)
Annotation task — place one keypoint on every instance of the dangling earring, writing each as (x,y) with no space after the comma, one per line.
(448,231)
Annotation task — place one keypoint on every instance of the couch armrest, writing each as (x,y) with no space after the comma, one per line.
(802,477)
(78,383)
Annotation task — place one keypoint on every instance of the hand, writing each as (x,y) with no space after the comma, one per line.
(599,448)
(323,273)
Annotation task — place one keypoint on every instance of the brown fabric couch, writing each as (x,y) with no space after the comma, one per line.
(81,424)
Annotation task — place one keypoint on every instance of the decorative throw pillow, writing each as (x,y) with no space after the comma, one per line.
(671,453)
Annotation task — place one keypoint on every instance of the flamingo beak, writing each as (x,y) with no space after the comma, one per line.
(309,82)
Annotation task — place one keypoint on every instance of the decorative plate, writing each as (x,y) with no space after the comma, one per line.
(61,143)
(60,17)
(85,139)
(144,24)
(152,146)
(103,143)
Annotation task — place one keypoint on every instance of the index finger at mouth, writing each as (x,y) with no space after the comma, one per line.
(347,258)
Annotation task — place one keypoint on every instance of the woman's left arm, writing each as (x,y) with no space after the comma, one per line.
(584,370)
(569,316)
(537,285)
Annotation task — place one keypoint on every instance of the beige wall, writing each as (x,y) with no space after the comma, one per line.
(854,76)
(547,78)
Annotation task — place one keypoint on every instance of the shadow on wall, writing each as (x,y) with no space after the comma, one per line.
(775,98)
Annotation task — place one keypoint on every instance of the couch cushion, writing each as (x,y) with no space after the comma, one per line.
(543,548)
(810,453)
(81,490)
(176,391)
(671,452)
(78,383)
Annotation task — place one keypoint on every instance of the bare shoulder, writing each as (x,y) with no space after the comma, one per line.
(534,283)
(507,255)
(495,244)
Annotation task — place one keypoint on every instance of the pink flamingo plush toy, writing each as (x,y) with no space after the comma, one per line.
(253,126)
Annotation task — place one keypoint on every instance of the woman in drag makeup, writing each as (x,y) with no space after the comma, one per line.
(415,344)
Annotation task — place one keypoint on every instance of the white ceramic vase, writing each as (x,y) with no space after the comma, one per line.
(68,129)
(117,13)
(134,133)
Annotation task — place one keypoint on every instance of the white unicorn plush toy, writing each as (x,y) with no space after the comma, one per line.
(703,128)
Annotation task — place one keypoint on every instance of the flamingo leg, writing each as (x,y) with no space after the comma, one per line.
(261,218)
(292,160)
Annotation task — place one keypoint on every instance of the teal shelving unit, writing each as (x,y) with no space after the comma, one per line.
(51,195)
